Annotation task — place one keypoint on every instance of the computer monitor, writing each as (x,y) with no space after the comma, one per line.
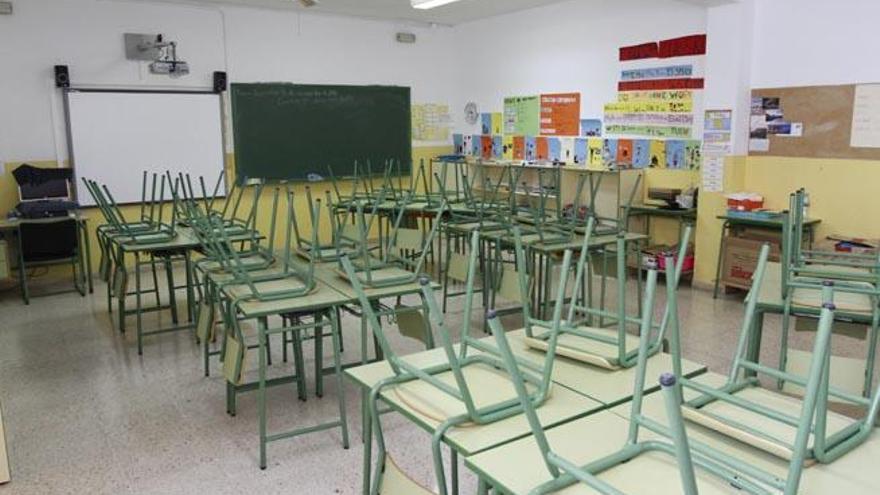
(51,189)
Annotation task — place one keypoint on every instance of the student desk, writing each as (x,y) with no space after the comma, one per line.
(12,226)
(856,308)
(425,406)
(323,301)
(682,215)
(733,222)
(544,254)
(183,243)
(517,467)
(579,390)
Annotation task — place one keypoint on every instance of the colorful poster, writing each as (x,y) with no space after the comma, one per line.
(693,156)
(497,123)
(641,154)
(458,144)
(486,146)
(508,147)
(580,151)
(554,149)
(522,115)
(467,147)
(591,127)
(477,145)
(657,72)
(560,114)
(609,154)
(658,154)
(430,122)
(531,148)
(485,123)
(624,153)
(655,96)
(519,147)
(594,147)
(675,154)
(649,131)
(717,132)
(649,118)
(542,153)
(497,147)
(649,106)
(567,146)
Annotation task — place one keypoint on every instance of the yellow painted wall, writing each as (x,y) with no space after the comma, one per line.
(9,198)
(708,228)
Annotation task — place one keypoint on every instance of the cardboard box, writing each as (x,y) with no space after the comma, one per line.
(741,259)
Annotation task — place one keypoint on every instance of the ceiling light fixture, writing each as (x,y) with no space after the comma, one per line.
(429,4)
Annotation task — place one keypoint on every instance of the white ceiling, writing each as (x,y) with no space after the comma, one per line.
(454,13)
(450,14)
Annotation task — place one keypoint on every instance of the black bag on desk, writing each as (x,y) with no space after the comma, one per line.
(48,241)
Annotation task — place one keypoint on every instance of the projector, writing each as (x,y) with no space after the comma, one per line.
(171,68)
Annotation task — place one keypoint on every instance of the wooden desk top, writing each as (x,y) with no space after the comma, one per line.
(326,273)
(517,467)
(770,223)
(424,404)
(13,223)
(661,211)
(855,306)
(606,386)
(322,297)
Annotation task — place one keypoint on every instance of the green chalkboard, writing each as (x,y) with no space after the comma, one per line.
(289,131)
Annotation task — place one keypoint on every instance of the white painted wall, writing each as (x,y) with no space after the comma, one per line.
(566,47)
(250,44)
(815,42)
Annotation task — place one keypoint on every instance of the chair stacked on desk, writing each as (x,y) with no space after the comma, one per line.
(797,432)
(856,278)
(149,234)
(461,364)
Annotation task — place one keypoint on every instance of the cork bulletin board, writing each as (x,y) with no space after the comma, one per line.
(827,116)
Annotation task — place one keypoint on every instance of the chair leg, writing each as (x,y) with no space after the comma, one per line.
(172,299)
(319,360)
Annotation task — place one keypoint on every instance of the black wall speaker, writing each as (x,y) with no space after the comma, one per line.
(62,76)
(219,82)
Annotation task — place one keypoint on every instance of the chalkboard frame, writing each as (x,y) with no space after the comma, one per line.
(373,118)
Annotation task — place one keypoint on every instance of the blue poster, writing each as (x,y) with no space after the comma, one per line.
(531,148)
(675,157)
(591,127)
(486,123)
(641,153)
(555,149)
(497,147)
(458,144)
(580,151)
(476,145)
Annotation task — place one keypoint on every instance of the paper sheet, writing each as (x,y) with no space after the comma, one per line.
(866,117)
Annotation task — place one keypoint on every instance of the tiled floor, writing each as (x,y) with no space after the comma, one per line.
(85,414)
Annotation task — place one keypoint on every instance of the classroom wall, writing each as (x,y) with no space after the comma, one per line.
(565,47)
(87,36)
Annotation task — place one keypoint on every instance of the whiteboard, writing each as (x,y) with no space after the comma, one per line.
(115,136)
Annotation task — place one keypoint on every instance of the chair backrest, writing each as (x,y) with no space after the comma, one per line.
(47,241)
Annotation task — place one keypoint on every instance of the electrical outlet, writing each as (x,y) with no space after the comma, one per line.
(5,8)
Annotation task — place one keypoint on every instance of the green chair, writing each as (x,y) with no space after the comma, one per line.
(458,365)
(856,277)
